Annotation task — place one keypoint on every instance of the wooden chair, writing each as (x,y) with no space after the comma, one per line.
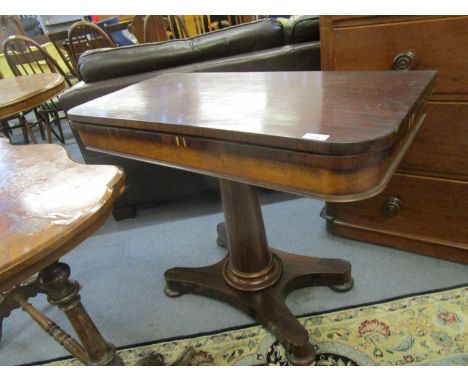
(204,24)
(177,27)
(155,28)
(10,26)
(137,28)
(25,57)
(59,39)
(84,36)
(242,19)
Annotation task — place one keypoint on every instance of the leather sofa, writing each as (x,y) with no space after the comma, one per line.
(264,45)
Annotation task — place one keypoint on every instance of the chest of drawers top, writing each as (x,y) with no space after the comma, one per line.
(400,43)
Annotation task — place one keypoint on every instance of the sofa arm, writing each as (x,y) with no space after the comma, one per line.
(302,29)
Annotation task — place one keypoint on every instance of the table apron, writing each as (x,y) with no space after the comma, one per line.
(326,177)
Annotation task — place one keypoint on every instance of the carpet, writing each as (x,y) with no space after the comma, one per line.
(424,329)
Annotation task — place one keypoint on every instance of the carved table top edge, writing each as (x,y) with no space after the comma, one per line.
(32,234)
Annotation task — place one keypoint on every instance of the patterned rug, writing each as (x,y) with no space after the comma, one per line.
(428,329)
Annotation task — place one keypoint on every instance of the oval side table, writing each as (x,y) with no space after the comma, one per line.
(24,93)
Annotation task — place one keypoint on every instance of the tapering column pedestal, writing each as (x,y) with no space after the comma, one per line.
(256,278)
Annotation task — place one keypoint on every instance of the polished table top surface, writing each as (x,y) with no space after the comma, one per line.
(337,113)
(24,92)
(46,200)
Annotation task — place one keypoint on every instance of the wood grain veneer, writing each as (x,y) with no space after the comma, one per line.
(431,182)
(49,205)
(48,210)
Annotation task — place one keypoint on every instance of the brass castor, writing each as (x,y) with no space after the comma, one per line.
(343,287)
(307,357)
(171,293)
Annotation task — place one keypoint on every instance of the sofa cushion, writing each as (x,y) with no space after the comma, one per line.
(243,38)
(102,64)
(284,58)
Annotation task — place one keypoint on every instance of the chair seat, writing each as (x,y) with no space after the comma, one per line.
(48,204)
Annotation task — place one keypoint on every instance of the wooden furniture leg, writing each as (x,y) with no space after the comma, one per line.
(48,120)
(26,290)
(41,126)
(59,126)
(6,129)
(51,328)
(24,131)
(256,278)
(64,293)
(27,129)
(48,126)
(222,241)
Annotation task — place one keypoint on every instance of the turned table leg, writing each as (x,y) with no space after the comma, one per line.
(64,293)
(5,129)
(27,131)
(256,278)
(26,290)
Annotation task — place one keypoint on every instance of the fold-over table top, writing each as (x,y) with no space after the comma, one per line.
(333,113)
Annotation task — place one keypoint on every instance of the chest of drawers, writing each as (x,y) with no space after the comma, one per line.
(424,208)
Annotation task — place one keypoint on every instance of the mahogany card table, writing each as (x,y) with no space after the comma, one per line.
(335,136)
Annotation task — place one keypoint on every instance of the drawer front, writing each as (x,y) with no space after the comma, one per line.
(439,44)
(430,209)
(441,147)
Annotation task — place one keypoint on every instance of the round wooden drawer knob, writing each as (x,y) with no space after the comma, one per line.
(391,207)
(404,61)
